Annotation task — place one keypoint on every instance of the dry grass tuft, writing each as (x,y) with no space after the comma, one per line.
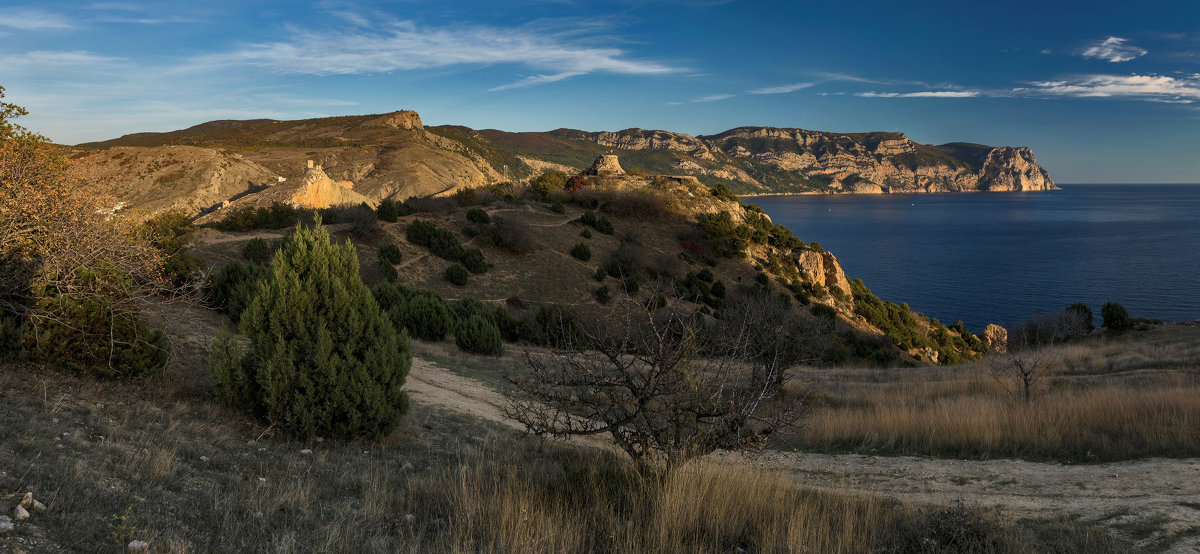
(1106,399)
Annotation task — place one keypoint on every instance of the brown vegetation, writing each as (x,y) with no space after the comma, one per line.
(1102,399)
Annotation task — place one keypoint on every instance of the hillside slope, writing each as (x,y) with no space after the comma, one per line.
(395,156)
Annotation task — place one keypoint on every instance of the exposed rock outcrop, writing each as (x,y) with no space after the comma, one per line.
(605,164)
(822,268)
(996,338)
(403,119)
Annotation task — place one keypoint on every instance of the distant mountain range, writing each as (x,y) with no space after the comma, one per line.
(395,156)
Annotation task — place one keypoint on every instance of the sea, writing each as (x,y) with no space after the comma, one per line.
(1004,257)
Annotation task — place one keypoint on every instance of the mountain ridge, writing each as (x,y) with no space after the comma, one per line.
(393,155)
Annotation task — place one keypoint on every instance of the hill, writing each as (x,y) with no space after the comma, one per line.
(395,156)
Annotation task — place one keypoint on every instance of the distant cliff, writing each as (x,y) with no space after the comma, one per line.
(395,156)
(774,160)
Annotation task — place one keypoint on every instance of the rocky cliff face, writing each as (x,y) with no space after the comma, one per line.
(768,159)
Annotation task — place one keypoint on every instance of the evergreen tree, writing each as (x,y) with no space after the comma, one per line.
(323,359)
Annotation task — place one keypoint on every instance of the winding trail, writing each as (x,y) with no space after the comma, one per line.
(1155,502)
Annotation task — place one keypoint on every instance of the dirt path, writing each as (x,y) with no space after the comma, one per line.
(1155,502)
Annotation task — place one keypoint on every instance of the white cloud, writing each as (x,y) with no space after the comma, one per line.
(922,94)
(782,89)
(30,19)
(1114,49)
(713,98)
(54,58)
(402,46)
(1183,89)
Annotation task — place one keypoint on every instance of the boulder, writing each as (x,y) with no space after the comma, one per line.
(996,337)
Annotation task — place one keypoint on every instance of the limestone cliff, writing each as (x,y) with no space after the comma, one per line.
(769,159)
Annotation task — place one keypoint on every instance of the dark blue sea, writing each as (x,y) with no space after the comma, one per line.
(1003,257)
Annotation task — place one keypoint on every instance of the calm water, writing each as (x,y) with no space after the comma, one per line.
(999,258)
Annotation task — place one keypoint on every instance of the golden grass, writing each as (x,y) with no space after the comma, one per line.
(442,483)
(1101,400)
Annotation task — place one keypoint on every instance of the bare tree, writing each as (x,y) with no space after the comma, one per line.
(1022,366)
(664,385)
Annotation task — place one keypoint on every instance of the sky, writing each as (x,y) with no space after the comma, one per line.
(1102,91)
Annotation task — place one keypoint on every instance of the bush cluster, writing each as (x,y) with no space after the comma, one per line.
(324,360)
(90,338)
(601,223)
(479,334)
(247,218)
(548,182)
(1115,317)
(457,274)
(477,215)
(389,210)
(258,250)
(231,288)
(444,244)
(581,251)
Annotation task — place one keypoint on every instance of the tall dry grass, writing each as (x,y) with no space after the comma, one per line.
(1111,399)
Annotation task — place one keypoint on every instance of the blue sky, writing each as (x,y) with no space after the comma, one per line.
(1102,91)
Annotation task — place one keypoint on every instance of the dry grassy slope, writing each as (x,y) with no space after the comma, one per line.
(383,158)
(190,178)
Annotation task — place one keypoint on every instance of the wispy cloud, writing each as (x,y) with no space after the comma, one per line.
(782,89)
(713,97)
(1158,88)
(54,58)
(33,19)
(1114,49)
(922,94)
(404,45)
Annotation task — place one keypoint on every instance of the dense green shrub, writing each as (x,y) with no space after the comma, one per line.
(387,211)
(549,181)
(478,334)
(390,254)
(718,289)
(600,274)
(324,361)
(457,274)
(724,236)
(440,240)
(171,233)
(558,327)
(1115,317)
(12,333)
(427,317)
(762,279)
(1083,313)
(477,215)
(602,294)
(558,208)
(89,337)
(604,225)
(705,275)
(469,306)
(512,235)
(247,218)
(473,260)
(231,288)
(822,310)
(586,233)
(387,271)
(630,285)
(509,325)
(258,250)
(581,251)
(721,191)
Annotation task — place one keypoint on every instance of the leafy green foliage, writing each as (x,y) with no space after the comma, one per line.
(477,215)
(427,317)
(602,294)
(390,254)
(389,210)
(247,218)
(457,274)
(721,191)
(1116,318)
(90,338)
(548,182)
(581,251)
(600,274)
(558,208)
(473,260)
(724,236)
(604,226)
(479,334)
(231,288)
(171,233)
(324,360)
(258,250)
